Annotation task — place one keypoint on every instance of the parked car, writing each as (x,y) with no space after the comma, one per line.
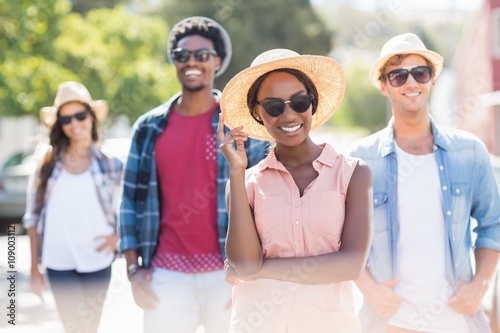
(15,172)
(13,183)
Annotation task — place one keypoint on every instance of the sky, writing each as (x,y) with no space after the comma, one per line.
(411,5)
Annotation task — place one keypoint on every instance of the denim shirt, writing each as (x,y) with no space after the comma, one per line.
(469,191)
(139,218)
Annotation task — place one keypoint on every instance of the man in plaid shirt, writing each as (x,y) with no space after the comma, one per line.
(173,218)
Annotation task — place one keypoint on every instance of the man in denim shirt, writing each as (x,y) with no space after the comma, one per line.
(431,187)
(173,220)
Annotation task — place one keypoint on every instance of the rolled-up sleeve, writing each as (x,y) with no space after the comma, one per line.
(486,203)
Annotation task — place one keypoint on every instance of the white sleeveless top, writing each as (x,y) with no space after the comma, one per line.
(74,219)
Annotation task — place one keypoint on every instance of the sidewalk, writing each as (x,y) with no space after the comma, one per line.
(120,314)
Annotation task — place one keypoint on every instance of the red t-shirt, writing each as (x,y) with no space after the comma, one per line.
(186,157)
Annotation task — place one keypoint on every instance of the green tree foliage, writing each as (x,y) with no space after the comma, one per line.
(26,26)
(363,105)
(258,25)
(84,6)
(26,52)
(119,56)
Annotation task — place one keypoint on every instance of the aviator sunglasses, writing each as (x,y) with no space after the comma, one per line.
(80,116)
(276,106)
(200,55)
(398,77)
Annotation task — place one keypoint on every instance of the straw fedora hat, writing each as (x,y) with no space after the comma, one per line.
(408,43)
(326,74)
(71,91)
(225,38)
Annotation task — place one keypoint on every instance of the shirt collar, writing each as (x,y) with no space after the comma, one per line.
(327,157)
(387,143)
(440,138)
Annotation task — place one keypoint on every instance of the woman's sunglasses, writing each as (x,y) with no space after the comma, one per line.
(276,106)
(398,77)
(200,55)
(80,116)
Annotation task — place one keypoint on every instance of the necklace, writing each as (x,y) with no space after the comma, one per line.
(75,161)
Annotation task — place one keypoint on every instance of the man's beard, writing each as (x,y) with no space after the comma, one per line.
(193,89)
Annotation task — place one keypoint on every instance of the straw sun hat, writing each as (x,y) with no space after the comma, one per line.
(404,44)
(225,38)
(326,74)
(71,91)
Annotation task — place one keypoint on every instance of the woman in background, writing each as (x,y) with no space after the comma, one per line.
(70,215)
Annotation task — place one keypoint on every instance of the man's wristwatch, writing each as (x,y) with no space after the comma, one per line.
(131,270)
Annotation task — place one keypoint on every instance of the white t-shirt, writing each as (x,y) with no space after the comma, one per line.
(422,252)
(73,220)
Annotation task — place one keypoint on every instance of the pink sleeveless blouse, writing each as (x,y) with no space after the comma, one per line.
(293,226)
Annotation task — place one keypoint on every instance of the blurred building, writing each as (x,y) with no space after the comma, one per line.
(477,78)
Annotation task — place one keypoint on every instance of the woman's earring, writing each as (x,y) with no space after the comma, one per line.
(255,116)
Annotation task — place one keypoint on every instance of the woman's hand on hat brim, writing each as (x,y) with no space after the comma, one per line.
(235,156)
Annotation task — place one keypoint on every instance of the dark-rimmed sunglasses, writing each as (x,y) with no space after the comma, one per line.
(80,116)
(398,77)
(200,55)
(276,106)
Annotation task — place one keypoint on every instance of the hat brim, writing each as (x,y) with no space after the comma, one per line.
(225,38)
(435,58)
(326,74)
(48,114)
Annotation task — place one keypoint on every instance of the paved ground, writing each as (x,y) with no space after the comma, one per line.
(120,313)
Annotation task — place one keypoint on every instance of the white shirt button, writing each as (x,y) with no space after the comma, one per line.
(445,188)
(375,200)
(296,205)
(448,213)
(297,222)
(441,167)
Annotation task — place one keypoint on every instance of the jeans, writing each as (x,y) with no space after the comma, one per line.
(188,301)
(79,297)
